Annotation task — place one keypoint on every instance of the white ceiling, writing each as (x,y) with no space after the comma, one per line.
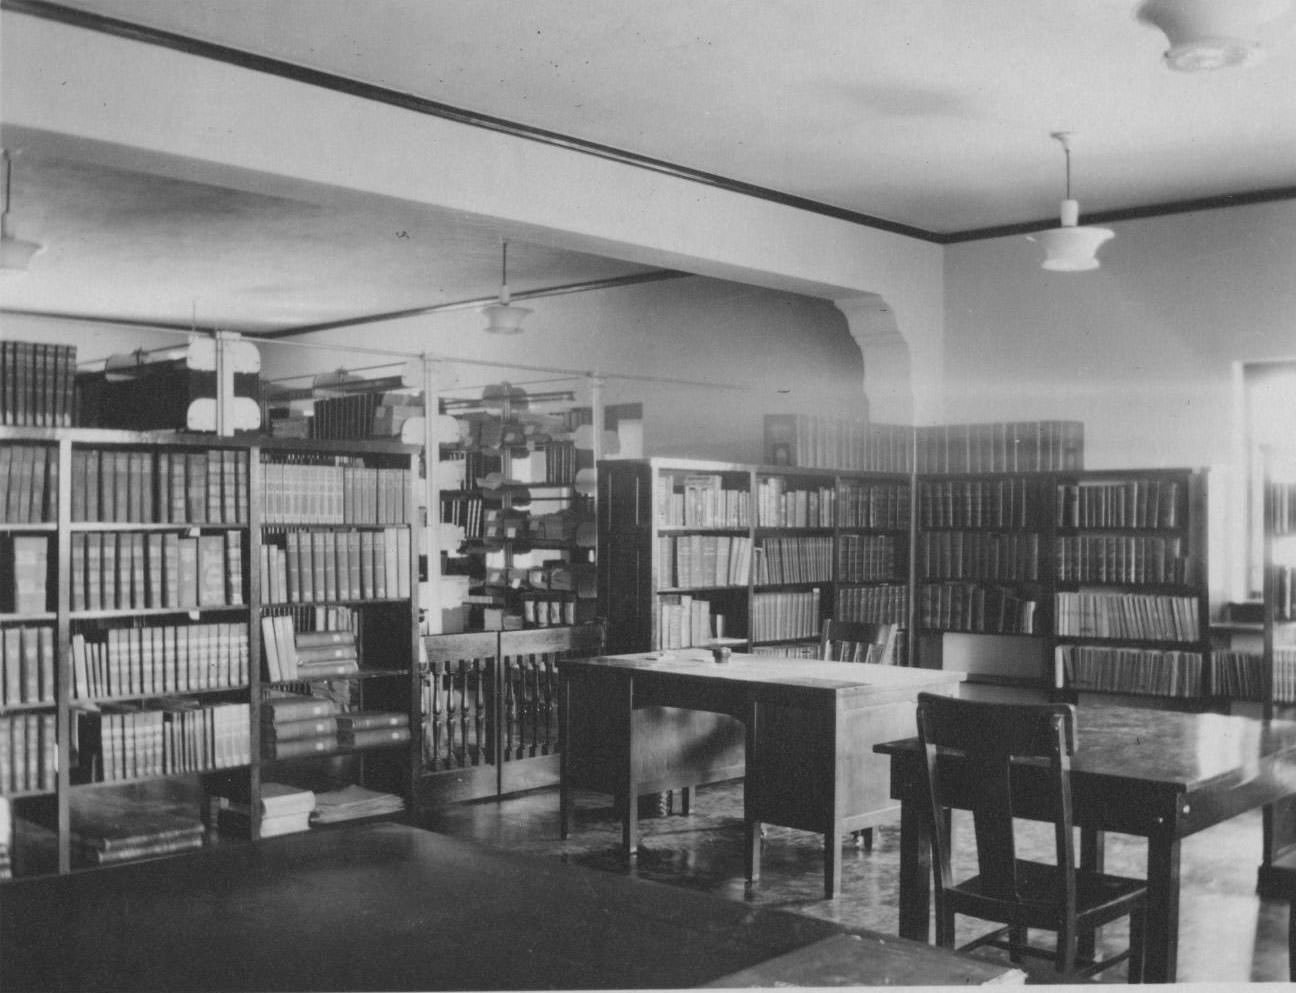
(934,114)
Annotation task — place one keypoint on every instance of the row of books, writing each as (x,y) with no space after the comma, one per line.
(837,443)
(547,612)
(793,560)
(27,665)
(684,621)
(975,608)
(292,655)
(863,558)
(37,384)
(1284,675)
(314,566)
(137,570)
(704,560)
(465,509)
(295,493)
(160,737)
(1117,559)
(778,506)
(28,483)
(977,503)
(1134,503)
(785,615)
(881,650)
(24,573)
(160,659)
(1008,555)
(1140,616)
(207,486)
(109,830)
(1240,675)
(1132,670)
(701,500)
(1284,592)
(873,505)
(349,416)
(886,603)
(1000,446)
(1282,507)
(28,753)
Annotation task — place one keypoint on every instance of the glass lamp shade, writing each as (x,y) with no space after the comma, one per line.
(503,318)
(1072,249)
(1211,34)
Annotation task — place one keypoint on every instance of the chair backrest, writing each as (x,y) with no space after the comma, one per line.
(858,641)
(995,742)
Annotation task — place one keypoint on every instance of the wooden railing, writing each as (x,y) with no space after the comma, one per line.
(459,702)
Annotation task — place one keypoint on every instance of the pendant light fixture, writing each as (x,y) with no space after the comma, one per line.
(1071,248)
(503,317)
(1212,34)
(14,252)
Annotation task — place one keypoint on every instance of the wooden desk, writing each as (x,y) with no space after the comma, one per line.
(808,729)
(390,907)
(1154,774)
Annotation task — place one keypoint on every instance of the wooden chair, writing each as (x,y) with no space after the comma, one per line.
(856,641)
(997,742)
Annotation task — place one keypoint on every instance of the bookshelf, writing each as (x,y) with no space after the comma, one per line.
(694,550)
(1277,873)
(135,671)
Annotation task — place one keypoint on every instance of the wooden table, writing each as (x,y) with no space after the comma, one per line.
(1154,774)
(800,731)
(391,907)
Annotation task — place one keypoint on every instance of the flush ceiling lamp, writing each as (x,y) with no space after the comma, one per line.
(503,317)
(1212,34)
(14,252)
(1071,248)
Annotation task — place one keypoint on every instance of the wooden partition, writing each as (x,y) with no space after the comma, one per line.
(490,710)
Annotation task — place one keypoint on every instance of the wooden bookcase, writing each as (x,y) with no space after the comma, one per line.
(150,670)
(1277,874)
(692,550)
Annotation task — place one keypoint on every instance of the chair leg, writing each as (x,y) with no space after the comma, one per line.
(1291,941)
(944,927)
(1016,942)
(1067,942)
(1137,944)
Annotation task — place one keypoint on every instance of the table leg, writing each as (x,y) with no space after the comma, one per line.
(833,861)
(564,747)
(630,816)
(915,871)
(751,785)
(1092,859)
(686,800)
(1161,965)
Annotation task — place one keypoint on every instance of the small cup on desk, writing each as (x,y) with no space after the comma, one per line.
(721,653)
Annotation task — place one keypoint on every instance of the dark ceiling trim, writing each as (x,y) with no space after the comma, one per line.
(1129,214)
(433,108)
(394,315)
(126,322)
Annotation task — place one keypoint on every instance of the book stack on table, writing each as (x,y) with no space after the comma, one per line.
(109,831)
(293,724)
(284,810)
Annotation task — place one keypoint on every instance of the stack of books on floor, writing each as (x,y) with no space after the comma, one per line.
(284,810)
(106,831)
(293,724)
(353,802)
(6,839)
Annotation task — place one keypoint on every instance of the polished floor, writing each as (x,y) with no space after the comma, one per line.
(1227,933)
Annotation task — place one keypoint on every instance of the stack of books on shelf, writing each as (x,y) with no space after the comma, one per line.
(1132,670)
(1237,675)
(705,559)
(785,616)
(325,566)
(106,830)
(37,383)
(866,557)
(26,665)
(144,738)
(28,483)
(372,728)
(685,621)
(294,724)
(135,571)
(168,658)
(28,753)
(887,603)
(778,506)
(195,487)
(284,810)
(24,574)
(1127,615)
(873,505)
(701,500)
(353,802)
(292,656)
(1284,662)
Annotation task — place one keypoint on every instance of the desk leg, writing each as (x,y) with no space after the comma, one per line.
(564,747)
(832,863)
(751,786)
(1092,859)
(915,871)
(1163,909)
(630,818)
